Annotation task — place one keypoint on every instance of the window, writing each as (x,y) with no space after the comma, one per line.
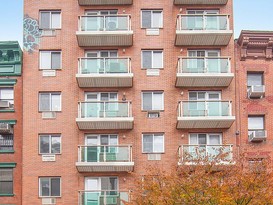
(255,123)
(6,181)
(50,19)
(6,142)
(205,139)
(152,19)
(152,59)
(50,59)
(254,79)
(50,144)
(7,94)
(50,186)
(49,102)
(152,100)
(205,95)
(153,143)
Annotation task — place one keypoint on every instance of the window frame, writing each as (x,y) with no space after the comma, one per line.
(50,94)
(153,151)
(255,116)
(152,18)
(50,51)
(2,137)
(12,182)
(50,188)
(260,74)
(7,88)
(50,143)
(152,52)
(50,19)
(207,138)
(152,92)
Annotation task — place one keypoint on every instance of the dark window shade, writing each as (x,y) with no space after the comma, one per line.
(146,59)
(55,60)
(146,19)
(45,20)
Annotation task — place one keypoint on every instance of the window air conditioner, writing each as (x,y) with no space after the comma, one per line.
(48,201)
(4,104)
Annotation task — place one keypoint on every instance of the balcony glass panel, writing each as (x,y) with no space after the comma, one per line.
(105,23)
(104,109)
(100,197)
(103,153)
(207,152)
(203,22)
(104,65)
(204,65)
(205,108)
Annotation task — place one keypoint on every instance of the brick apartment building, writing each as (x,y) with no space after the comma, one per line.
(11,130)
(113,87)
(254,76)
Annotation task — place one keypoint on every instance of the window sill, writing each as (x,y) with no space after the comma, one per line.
(6,151)
(152,68)
(6,195)
(7,110)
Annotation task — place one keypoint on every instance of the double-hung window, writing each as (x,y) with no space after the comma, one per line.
(152,100)
(255,123)
(153,143)
(49,144)
(7,94)
(50,20)
(152,19)
(49,186)
(152,59)
(6,181)
(50,60)
(49,101)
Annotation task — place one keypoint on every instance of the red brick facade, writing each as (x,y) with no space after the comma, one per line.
(65,82)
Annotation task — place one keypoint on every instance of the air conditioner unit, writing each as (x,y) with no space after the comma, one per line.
(5,128)
(48,32)
(48,201)
(256,91)
(257,136)
(154,157)
(4,104)
(48,115)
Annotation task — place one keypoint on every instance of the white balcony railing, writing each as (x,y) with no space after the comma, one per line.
(212,22)
(103,197)
(204,65)
(121,22)
(105,109)
(204,108)
(104,65)
(105,153)
(205,153)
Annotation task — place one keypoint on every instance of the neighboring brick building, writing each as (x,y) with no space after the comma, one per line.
(154,80)
(11,130)
(254,93)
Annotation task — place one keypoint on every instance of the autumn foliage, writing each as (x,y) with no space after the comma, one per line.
(207,183)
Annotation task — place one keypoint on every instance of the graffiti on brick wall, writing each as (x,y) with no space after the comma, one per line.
(32,34)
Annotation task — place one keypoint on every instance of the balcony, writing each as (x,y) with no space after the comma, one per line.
(102,115)
(104,72)
(256,91)
(203,72)
(200,2)
(204,114)
(257,135)
(10,58)
(193,154)
(101,30)
(105,158)
(202,30)
(6,142)
(104,2)
(103,197)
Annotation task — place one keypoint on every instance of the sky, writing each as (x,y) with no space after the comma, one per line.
(248,15)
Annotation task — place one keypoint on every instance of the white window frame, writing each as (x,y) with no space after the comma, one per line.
(40,191)
(152,19)
(256,74)
(163,138)
(50,143)
(152,92)
(50,20)
(152,51)
(207,138)
(256,116)
(40,61)
(50,94)
(206,95)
